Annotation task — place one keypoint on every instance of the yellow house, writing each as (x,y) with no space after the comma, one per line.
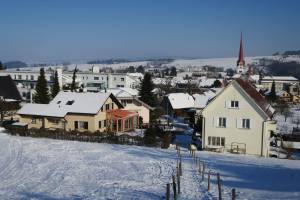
(238,120)
(79,111)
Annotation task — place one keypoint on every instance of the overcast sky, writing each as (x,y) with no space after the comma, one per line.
(37,30)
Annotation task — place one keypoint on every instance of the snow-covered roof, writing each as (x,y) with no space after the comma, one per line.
(201,100)
(67,102)
(181,100)
(123,92)
(207,82)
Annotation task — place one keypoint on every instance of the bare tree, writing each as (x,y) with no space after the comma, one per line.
(296,120)
(287,113)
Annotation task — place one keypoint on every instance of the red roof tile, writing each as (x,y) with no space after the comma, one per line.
(118,113)
(256,96)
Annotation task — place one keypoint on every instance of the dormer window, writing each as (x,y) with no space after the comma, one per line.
(58,102)
(234,104)
(70,102)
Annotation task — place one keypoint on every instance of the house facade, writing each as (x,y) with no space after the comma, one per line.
(238,120)
(79,111)
(129,99)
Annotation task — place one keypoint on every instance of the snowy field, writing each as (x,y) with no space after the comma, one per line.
(178,63)
(52,169)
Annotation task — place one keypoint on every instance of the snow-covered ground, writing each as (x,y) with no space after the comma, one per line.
(51,169)
(179,63)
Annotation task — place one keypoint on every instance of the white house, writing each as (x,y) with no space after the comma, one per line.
(238,120)
(129,99)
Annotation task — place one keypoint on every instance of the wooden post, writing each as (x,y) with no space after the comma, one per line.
(208,181)
(199,167)
(174,187)
(178,183)
(168,192)
(203,171)
(180,168)
(219,186)
(233,194)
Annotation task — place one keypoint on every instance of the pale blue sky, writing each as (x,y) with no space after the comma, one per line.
(37,30)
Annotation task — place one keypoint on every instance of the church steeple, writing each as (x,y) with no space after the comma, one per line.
(241,61)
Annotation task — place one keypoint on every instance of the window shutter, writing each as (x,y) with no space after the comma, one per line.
(251,123)
(76,124)
(228,104)
(216,122)
(227,122)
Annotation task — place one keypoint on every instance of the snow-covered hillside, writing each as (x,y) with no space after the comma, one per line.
(179,63)
(52,169)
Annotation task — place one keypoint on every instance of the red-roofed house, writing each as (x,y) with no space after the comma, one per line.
(238,120)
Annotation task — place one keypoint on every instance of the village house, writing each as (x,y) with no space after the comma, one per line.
(79,111)
(178,104)
(238,120)
(129,99)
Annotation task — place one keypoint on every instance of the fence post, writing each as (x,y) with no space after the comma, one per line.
(178,183)
(233,194)
(208,181)
(174,187)
(219,186)
(180,167)
(168,192)
(203,171)
(199,167)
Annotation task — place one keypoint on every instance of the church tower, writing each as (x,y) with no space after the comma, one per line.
(240,66)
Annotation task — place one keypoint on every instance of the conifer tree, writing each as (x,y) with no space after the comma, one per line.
(55,87)
(42,93)
(145,90)
(173,71)
(1,66)
(272,95)
(73,85)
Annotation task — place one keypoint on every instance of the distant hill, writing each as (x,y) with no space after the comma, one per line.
(15,64)
(278,68)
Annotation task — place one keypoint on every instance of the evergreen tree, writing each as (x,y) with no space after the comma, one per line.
(140,69)
(217,84)
(55,87)
(145,90)
(272,95)
(42,93)
(73,85)
(173,72)
(1,66)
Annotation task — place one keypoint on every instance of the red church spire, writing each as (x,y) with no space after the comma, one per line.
(241,60)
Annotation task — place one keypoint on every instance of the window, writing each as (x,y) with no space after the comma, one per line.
(102,109)
(120,86)
(33,121)
(96,78)
(70,102)
(104,123)
(112,106)
(19,76)
(100,124)
(81,125)
(58,102)
(234,104)
(31,77)
(122,79)
(115,78)
(246,123)
(222,122)
(216,141)
(106,106)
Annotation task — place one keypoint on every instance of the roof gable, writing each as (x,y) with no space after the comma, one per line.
(8,89)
